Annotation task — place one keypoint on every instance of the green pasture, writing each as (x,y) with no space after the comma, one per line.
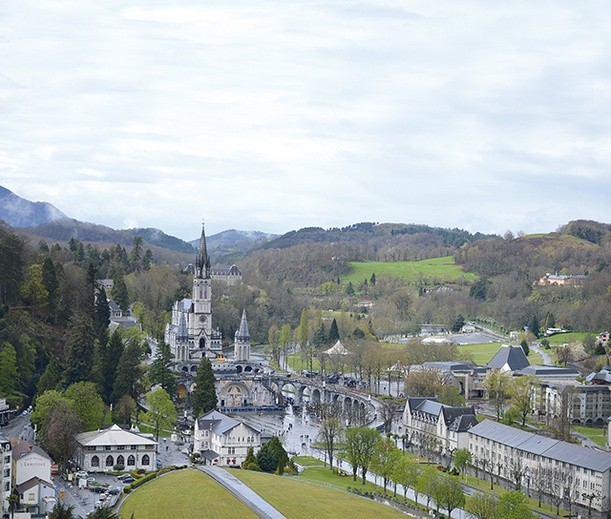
(297,498)
(562,338)
(429,271)
(184,493)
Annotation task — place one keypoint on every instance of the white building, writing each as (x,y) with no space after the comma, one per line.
(442,427)
(553,467)
(221,440)
(6,474)
(32,477)
(102,450)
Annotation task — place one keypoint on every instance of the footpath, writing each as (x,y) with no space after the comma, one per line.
(249,497)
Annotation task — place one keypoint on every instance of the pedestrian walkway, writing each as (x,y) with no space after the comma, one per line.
(249,497)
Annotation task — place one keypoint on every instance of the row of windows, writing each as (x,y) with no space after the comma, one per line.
(110,461)
(118,448)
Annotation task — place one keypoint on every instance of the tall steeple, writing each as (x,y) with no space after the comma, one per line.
(202,262)
(241,349)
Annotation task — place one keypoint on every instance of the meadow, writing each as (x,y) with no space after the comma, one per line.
(429,271)
(184,493)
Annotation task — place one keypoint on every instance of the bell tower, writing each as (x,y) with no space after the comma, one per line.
(200,325)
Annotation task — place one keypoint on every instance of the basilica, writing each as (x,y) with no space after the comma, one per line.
(190,335)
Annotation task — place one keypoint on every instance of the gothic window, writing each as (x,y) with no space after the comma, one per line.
(146,460)
(131,461)
(109,461)
(95,461)
(120,460)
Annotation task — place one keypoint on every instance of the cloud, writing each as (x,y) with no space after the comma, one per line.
(276,116)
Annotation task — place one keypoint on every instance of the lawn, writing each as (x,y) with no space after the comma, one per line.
(430,271)
(562,338)
(596,434)
(184,493)
(296,498)
(483,353)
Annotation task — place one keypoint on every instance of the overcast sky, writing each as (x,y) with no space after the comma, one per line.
(275,115)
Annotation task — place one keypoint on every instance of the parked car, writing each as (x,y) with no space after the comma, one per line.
(128,479)
(82,474)
(113,491)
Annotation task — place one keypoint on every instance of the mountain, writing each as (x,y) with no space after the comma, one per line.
(68,228)
(19,212)
(229,246)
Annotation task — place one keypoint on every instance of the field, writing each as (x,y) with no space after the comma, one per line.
(562,338)
(435,270)
(483,353)
(184,493)
(298,499)
(596,434)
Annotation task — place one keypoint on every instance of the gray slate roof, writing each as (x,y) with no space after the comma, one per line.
(512,355)
(219,423)
(577,455)
(542,371)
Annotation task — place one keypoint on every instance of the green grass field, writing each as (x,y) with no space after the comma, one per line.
(561,338)
(483,353)
(596,434)
(184,493)
(435,270)
(296,498)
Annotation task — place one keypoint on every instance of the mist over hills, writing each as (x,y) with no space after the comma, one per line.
(19,212)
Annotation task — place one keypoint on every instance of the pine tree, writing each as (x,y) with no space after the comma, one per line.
(119,293)
(372,280)
(127,379)
(102,316)
(79,358)
(161,371)
(333,332)
(49,279)
(204,397)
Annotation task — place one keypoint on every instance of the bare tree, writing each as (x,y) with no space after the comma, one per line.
(330,435)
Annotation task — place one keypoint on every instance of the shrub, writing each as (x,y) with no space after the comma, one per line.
(119,468)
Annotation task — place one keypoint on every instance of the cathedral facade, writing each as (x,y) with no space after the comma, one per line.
(190,335)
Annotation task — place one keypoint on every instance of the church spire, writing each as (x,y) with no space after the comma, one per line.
(202,262)
(242,334)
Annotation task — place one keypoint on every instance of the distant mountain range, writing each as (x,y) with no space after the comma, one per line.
(19,212)
(43,220)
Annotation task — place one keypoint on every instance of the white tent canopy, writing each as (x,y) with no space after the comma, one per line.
(337,349)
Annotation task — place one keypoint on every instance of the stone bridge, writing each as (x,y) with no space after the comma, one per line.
(254,390)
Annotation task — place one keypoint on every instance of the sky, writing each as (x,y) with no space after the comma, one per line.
(274,115)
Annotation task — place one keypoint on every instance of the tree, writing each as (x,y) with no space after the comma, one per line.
(386,456)
(521,394)
(525,347)
(372,279)
(33,291)
(333,332)
(482,505)
(79,345)
(250,462)
(124,410)
(407,473)
(161,414)
(496,385)
(330,435)
(61,511)
(119,292)
(450,494)
(51,283)
(129,371)
(272,457)
(88,404)
(360,448)
(350,289)
(42,406)
(107,357)
(103,512)
(462,459)
(161,371)
(8,369)
(513,505)
(565,354)
(101,319)
(204,396)
(60,427)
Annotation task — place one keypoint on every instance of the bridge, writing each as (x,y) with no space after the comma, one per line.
(248,390)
